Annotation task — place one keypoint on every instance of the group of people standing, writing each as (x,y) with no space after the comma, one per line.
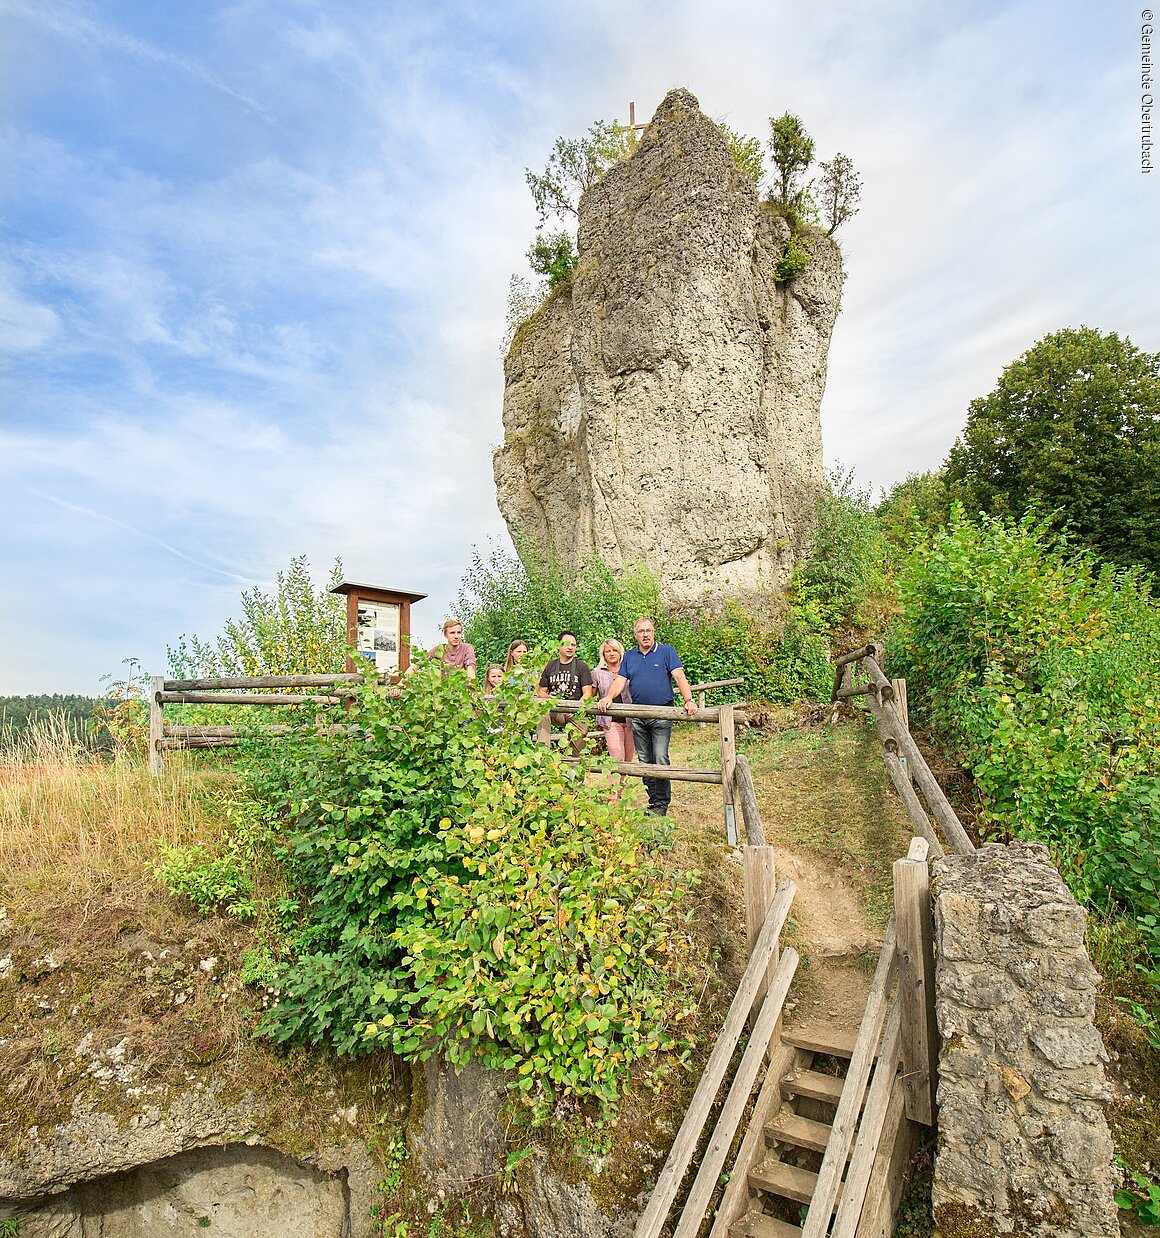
(643,675)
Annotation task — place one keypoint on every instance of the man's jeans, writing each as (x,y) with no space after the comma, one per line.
(652,748)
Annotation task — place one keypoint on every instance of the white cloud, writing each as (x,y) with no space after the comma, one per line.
(256,299)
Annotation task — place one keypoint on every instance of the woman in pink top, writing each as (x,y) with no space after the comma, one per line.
(617,731)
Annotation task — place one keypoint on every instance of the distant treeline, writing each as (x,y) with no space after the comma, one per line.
(19,714)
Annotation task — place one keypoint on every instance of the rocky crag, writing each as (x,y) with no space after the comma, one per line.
(665,408)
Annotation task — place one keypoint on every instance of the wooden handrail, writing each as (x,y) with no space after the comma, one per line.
(853,1091)
(890,726)
(743,781)
(914,809)
(260,681)
(685,1143)
(870,1129)
(713,1158)
(245,698)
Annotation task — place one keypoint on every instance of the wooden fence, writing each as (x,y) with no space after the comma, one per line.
(890,1083)
(732,774)
(906,765)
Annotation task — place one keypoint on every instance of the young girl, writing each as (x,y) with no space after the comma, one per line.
(493,678)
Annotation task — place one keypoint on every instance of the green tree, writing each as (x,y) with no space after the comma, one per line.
(914,508)
(792,149)
(296,630)
(840,190)
(576,164)
(553,256)
(746,152)
(1072,428)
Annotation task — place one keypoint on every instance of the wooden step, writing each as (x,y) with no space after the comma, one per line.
(817,1038)
(801,1132)
(788,1181)
(758,1225)
(810,1083)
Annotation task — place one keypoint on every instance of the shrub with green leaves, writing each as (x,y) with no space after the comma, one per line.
(843,581)
(468,892)
(780,657)
(1041,667)
(503,597)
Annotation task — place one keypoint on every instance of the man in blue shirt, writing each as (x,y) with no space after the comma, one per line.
(651,669)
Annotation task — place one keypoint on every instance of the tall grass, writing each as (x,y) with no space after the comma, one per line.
(70,821)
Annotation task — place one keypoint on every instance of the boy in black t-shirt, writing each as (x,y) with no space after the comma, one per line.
(569,678)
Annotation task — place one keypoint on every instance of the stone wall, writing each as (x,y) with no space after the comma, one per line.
(1023,1145)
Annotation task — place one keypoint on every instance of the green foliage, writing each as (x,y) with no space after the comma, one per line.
(1073,429)
(503,597)
(554,257)
(10,1227)
(843,582)
(219,880)
(1141,1195)
(792,150)
(914,509)
(209,882)
(123,713)
(295,631)
(839,192)
(746,153)
(576,164)
(19,714)
(465,892)
(1042,668)
(795,259)
(787,660)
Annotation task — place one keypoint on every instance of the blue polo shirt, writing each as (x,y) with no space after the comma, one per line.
(651,674)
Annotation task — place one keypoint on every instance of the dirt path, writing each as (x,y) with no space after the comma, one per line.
(836,829)
(838,944)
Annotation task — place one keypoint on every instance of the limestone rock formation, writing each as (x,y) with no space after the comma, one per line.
(665,408)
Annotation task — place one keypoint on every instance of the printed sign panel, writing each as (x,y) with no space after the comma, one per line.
(378,635)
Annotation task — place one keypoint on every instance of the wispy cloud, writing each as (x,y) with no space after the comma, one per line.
(74,23)
(253,302)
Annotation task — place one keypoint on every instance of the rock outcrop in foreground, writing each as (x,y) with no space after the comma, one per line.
(665,409)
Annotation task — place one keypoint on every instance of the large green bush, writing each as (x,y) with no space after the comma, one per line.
(467,892)
(504,597)
(843,581)
(1042,668)
(782,657)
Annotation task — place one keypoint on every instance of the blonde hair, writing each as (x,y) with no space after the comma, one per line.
(451,623)
(495,666)
(509,662)
(602,665)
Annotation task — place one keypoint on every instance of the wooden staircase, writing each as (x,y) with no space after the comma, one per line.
(826,1141)
(777,1168)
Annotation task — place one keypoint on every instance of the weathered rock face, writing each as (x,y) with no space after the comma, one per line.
(1023,1145)
(665,409)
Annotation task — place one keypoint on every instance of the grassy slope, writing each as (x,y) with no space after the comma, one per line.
(99,950)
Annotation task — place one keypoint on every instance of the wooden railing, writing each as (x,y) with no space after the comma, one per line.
(732,775)
(889,1085)
(886,700)
(763,954)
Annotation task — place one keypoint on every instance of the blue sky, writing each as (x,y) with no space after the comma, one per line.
(255,258)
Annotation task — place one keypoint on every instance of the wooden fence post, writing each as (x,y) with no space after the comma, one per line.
(760,888)
(156,724)
(728,765)
(912,912)
(899,686)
